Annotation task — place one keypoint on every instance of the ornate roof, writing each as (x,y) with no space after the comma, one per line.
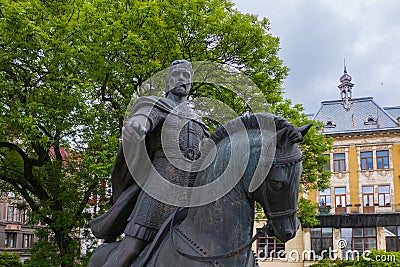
(393,111)
(363,115)
(350,115)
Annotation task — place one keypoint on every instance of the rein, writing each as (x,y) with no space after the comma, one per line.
(281,214)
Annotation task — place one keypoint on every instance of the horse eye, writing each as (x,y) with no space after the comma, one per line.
(276,185)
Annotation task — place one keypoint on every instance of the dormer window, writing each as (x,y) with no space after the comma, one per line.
(371,120)
(329,124)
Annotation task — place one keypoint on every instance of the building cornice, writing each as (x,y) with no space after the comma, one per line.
(373,132)
(359,220)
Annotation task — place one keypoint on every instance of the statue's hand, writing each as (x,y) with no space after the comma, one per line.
(133,131)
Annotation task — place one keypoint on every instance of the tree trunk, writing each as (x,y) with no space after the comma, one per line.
(65,246)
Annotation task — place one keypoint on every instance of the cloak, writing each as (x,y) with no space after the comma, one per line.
(125,190)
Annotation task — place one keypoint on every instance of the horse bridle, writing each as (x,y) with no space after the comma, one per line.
(267,227)
(285,213)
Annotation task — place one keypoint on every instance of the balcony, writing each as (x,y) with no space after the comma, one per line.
(368,209)
(13,227)
(324,209)
(340,210)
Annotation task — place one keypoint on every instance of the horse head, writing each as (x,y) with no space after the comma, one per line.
(278,194)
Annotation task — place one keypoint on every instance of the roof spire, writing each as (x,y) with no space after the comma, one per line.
(345,87)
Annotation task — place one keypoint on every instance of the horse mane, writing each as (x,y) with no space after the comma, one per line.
(250,122)
(221,138)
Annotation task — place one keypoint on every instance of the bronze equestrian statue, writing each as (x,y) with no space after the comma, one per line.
(216,234)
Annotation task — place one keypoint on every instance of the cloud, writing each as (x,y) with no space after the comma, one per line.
(315,37)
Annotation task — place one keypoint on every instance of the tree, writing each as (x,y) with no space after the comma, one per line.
(56,144)
(10,260)
(68,70)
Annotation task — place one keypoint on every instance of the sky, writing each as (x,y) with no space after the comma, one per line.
(317,35)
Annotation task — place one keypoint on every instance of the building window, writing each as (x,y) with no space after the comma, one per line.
(325,197)
(364,239)
(11,240)
(358,241)
(270,247)
(366,160)
(17,216)
(22,216)
(392,234)
(368,196)
(27,240)
(384,195)
(26,216)
(339,162)
(325,203)
(340,196)
(370,120)
(329,124)
(382,159)
(321,239)
(346,234)
(368,199)
(10,213)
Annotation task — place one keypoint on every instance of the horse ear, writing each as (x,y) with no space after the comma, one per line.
(303,130)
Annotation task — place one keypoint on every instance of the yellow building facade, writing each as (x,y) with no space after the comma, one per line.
(360,210)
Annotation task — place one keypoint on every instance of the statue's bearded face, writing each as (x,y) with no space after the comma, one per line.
(179,81)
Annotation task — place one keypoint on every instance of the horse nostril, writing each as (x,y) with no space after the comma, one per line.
(289,235)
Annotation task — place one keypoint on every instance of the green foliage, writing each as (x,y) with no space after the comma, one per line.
(307,213)
(44,254)
(381,258)
(372,258)
(10,260)
(324,209)
(67,72)
(259,212)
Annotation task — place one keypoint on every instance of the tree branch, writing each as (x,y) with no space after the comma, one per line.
(105,98)
(44,130)
(43,155)
(16,148)
(85,198)
(20,189)
(104,87)
(34,186)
